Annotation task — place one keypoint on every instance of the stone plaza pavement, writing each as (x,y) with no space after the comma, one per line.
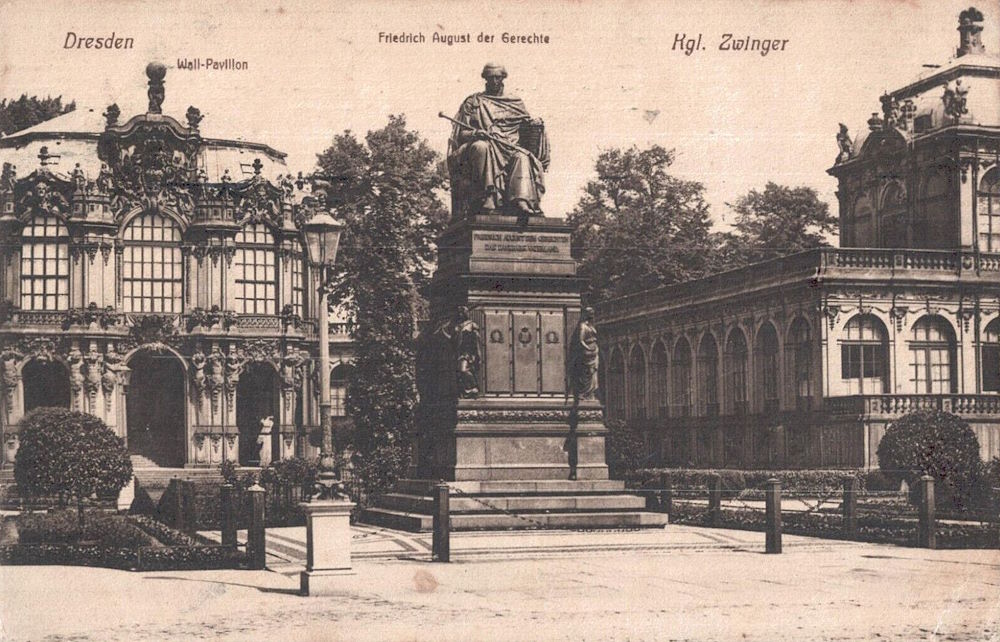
(678,583)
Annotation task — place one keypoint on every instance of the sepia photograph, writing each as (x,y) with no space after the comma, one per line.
(500,320)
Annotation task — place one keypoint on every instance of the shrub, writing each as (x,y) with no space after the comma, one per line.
(376,472)
(64,527)
(625,449)
(935,443)
(69,453)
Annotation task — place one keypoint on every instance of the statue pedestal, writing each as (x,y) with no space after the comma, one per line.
(328,546)
(519,454)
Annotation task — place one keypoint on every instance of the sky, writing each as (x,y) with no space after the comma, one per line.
(609,76)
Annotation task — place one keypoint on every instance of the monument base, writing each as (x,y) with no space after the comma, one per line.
(328,546)
(323,583)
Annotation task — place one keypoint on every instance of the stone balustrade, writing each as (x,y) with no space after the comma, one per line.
(897,405)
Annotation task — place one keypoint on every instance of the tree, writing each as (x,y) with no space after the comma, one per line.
(25,112)
(69,453)
(386,190)
(935,443)
(780,220)
(637,227)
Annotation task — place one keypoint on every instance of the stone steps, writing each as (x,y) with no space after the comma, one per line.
(512,487)
(501,521)
(530,504)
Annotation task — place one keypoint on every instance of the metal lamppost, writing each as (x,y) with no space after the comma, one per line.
(322,235)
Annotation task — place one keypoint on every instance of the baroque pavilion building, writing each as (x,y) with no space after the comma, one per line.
(803,361)
(154,275)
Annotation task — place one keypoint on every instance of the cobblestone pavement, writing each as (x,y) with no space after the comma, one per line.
(679,583)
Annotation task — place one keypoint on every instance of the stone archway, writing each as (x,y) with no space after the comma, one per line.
(155,413)
(256,399)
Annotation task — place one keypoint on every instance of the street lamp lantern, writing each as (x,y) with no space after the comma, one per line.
(322,236)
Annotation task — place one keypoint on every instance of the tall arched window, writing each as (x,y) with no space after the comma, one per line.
(932,350)
(338,389)
(939,218)
(864,356)
(892,213)
(254,271)
(991,357)
(735,359)
(862,223)
(44,265)
(708,376)
(767,367)
(292,256)
(616,385)
(680,377)
(989,211)
(636,383)
(658,391)
(152,277)
(798,363)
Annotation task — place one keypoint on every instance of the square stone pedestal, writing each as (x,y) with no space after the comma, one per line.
(328,542)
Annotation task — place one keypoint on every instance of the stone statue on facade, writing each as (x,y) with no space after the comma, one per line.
(955,99)
(114,369)
(497,154)
(465,336)
(264,441)
(844,143)
(584,356)
(156,72)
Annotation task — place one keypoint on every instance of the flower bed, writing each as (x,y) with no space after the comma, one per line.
(112,541)
(875,529)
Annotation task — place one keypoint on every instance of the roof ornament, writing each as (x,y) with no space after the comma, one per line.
(969,28)
(955,100)
(257,166)
(890,111)
(44,157)
(194,117)
(874,123)
(156,71)
(111,114)
(844,143)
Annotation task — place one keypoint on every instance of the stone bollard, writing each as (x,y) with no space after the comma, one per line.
(715,500)
(926,537)
(772,509)
(227,519)
(666,494)
(256,550)
(850,507)
(441,543)
(328,546)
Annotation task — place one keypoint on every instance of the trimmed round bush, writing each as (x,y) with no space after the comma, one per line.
(71,454)
(935,443)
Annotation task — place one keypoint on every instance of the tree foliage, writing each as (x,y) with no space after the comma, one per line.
(778,221)
(69,453)
(25,112)
(935,443)
(637,227)
(385,188)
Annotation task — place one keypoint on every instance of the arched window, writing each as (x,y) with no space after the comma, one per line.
(254,271)
(708,376)
(44,265)
(636,383)
(658,391)
(798,352)
(991,357)
(735,365)
(864,356)
(338,389)
(938,224)
(932,349)
(616,385)
(989,211)
(152,276)
(862,223)
(767,367)
(892,223)
(680,377)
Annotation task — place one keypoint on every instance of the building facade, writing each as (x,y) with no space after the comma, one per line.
(803,361)
(156,277)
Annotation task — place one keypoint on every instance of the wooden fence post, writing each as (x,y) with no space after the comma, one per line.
(441,544)
(715,499)
(772,508)
(850,507)
(228,515)
(926,537)
(256,551)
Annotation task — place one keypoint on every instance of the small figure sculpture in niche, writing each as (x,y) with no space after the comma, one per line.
(583,358)
(465,338)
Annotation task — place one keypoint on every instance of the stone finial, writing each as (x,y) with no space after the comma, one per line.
(969,28)
(875,122)
(194,117)
(156,72)
(111,114)
(44,157)
(257,166)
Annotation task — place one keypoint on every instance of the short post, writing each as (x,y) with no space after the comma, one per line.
(177,503)
(228,515)
(926,537)
(256,551)
(441,544)
(328,546)
(773,514)
(188,506)
(666,494)
(715,499)
(850,507)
